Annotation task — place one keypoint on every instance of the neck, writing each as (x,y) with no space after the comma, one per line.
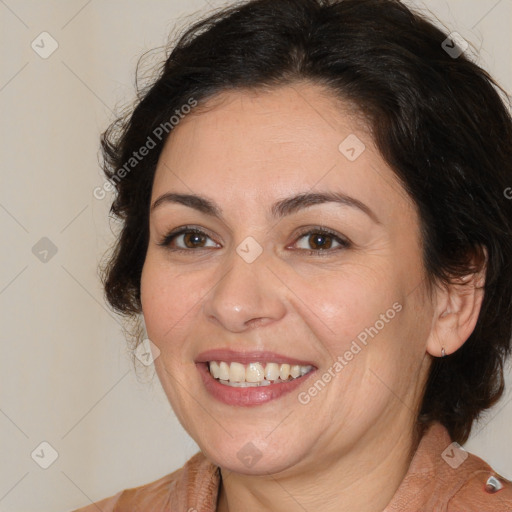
(364,479)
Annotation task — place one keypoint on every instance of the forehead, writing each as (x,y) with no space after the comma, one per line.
(259,145)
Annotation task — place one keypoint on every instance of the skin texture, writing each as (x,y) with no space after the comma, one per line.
(350,446)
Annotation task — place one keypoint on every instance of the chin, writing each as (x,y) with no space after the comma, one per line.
(255,457)
(254,465)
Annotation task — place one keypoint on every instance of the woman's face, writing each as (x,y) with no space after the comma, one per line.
(264,283)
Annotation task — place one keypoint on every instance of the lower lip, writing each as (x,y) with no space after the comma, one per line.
(245,397)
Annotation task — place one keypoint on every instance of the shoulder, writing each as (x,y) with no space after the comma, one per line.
(444,476)
(173,488)
(105,505)
(152,492)
(477,487)
(463,481)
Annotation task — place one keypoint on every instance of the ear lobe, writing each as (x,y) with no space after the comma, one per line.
(456,312)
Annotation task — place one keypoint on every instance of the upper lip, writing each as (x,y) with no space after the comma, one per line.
(246,357)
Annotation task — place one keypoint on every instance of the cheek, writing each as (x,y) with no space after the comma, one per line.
(168,300)
(341,305)
(367,326)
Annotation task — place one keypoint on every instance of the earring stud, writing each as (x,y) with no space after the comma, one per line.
(443,353)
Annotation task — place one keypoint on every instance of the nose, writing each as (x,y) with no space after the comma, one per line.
(248,295)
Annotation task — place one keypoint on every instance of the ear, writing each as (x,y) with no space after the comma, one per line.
(456,311)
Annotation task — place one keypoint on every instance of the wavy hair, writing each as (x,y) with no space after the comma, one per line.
(441,123)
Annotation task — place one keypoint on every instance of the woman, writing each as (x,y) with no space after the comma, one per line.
(317,235)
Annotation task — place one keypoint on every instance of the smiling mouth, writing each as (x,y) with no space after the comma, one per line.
(255,374)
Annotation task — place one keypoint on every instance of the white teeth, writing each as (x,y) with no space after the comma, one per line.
(223,371)
(245,384)
(214,369)
(272,371)
(295,371)
(304,370)
(237,372)
(255,374)
(284,371)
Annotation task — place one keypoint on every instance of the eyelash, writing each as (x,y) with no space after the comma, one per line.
(344,243)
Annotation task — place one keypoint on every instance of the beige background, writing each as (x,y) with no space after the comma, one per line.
(66,377)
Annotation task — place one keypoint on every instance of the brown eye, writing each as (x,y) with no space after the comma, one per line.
(187,239)
(320,241)
(193,240)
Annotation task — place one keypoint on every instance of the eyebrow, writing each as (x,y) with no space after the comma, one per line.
(279,209)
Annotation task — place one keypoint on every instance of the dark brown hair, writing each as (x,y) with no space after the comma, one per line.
(438,120)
